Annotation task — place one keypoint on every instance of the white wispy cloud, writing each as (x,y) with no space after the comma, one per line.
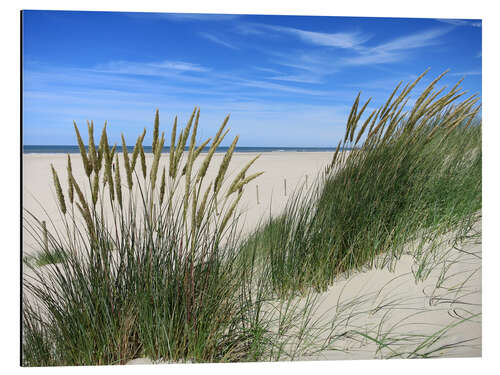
(247,28)
(279,87)
(135,79)
(278,75)
(266,70)
(339,40)
(456,22)
(354,43)
(299,78)
(127,109)
(303,66)
(295,62)
(179,65)
(373,57)
(217,40)
(396,49)
(169,69)
(175,71)
(418,40)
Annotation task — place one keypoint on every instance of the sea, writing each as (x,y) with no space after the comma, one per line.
(58,149)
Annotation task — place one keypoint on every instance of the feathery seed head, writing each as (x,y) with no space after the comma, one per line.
(70,183)
(239,186)
(200,148)
(162,186)
(143,161)
(156,130)
(206,162)
(126,162)
(172,148)
(59,192)
(136,151)
(224,165)
(118,185)
(100,151)
(193,134)
(84,207)
(92,150)
(191,152)
(113,150)
(219,132)
(362,130)
(108,166)
(86,164)
(156,160)
(177,156)
(241,175)
(95,188)
(187,130)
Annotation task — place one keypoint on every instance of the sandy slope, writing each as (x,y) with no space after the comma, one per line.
(403,317)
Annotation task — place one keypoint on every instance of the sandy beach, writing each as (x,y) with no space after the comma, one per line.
(372,314)
(280,168)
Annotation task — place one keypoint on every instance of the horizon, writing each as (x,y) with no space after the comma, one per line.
(166,148)
(285,80)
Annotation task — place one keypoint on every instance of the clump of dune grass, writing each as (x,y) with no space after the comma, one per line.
(150,266)
(412,172)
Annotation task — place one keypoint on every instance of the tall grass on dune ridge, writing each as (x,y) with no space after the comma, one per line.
(413,174)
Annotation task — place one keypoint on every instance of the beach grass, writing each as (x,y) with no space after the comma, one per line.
(416,174)
(168,275)
(158,277)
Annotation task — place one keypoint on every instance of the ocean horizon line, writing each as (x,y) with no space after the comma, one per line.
(72,149)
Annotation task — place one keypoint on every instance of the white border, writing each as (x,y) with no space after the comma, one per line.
(10,187)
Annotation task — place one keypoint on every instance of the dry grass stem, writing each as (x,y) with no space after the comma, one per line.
(118,183)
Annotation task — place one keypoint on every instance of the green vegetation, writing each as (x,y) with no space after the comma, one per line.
(44,258)
(151,265)
(155,266)
(417,171)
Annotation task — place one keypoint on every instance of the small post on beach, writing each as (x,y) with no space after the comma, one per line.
(306,180)
(285,186)
(257,190)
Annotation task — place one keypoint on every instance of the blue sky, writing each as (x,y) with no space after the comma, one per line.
(285,80)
